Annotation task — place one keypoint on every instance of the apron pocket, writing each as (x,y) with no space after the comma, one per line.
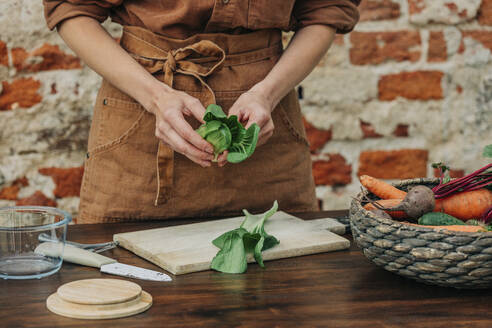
(121,166)
(290,114)
(119,120)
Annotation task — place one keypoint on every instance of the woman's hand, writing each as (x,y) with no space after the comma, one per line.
(254,107)
(169,107)
(304,51)
(251,107)
(86,37)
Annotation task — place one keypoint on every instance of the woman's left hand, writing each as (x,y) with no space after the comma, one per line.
(252,107)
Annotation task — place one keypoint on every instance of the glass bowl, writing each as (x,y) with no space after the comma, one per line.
(20,227)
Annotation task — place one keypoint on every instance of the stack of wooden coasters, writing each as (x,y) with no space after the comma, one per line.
(99,299)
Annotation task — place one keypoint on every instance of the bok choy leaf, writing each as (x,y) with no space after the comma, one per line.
(249,238)
(227,133)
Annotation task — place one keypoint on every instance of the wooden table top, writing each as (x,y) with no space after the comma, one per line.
(338,289)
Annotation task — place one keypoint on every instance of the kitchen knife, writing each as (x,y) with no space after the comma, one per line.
(107,265)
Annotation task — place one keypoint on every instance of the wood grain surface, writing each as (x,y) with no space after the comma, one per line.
(99,311)
(99,291)
(188,248)
(337,289)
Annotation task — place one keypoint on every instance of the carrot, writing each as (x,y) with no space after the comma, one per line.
(466,205)
(380,188)
(388,203)
(464,228)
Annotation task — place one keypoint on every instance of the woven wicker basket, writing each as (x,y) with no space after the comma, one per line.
(438,257)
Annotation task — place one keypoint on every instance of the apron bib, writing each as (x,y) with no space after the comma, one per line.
(130,175)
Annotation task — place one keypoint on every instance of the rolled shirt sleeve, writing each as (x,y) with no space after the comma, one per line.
(56,11)
(342,15)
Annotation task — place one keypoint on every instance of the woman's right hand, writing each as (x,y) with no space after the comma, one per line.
(169,107)
(85,36)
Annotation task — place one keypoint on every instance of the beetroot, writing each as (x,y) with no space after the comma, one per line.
(418,201)
(473,181)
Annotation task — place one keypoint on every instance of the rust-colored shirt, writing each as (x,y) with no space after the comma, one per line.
(183,18)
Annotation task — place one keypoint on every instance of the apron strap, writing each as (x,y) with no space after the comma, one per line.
(175,62)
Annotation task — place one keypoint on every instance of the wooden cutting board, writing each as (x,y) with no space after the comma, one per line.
(99,299)
(188,248)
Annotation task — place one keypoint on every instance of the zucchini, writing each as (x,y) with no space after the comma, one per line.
(439,219)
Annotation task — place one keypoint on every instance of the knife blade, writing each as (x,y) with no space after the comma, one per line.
(105,264)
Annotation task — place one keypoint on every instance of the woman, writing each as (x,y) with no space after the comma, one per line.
(176,57)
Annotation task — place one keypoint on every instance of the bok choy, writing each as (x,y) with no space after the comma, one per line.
(249,238)
(227,133)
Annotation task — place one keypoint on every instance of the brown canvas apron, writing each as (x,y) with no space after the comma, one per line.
(130,175)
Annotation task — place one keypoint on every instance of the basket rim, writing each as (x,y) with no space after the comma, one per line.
(356,203)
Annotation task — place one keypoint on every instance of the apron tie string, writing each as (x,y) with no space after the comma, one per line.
(175,62)
(170,63)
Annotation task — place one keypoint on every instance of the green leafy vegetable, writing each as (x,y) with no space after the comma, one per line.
(244,145)
(227,133)
(234,126)
(231,258)
(487,151)
(214,113)
(443,172)
(255,224)
(217,134)
(249,238)
(208,127)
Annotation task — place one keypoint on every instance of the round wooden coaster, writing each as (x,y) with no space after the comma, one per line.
(99,291)
(106,311)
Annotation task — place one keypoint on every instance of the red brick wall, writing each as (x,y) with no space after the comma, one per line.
(46,99)
(410,86)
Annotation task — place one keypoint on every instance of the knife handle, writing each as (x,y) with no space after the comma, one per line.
(74,254)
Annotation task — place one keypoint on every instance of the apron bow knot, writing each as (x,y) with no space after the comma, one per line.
(170,62)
